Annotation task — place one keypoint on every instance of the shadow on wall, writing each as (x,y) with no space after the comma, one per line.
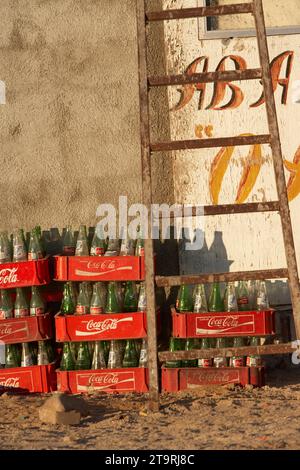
(204,260)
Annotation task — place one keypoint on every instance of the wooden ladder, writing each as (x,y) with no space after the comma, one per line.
(282,206)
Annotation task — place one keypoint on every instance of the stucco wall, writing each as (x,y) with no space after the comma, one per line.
(70,128)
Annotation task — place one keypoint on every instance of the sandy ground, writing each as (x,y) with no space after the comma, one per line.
(209,418)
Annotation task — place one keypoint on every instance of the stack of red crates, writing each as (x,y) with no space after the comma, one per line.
(26,329)
(101,327)
(216,325)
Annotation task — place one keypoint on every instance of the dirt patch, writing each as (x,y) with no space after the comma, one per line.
(207,418)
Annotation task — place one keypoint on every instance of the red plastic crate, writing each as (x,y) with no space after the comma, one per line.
(32,379)
(174,380)
(100,327)
(216,325)
(98,268)
(106,380)
(24,273)
(26,329)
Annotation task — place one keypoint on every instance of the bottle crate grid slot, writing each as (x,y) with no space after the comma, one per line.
(177,379)
(26,329)
(33,379)
(223,324)
(100,268)
(104,380)
(24,273)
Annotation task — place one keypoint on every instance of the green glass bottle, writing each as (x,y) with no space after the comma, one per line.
(191,344)
(205,362)
(67,306)
(140,245)
(130,297)
(6,305)
(238,361)
(69,244)
(112,304)
(254,360)
(83,361)
(35,251)
(37,305)
(67,361)
(175,345)
(185,303)
(21,305)
(130,357)
(106,345)
(243,297)
(50,351)
(83,301)
(215,300)
(98,244)
(11,356)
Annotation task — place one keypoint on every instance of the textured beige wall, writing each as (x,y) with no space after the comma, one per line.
(70,129)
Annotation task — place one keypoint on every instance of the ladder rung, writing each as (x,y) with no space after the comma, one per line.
(284,348)
(199,12)
(206,77)
(169,281)
(210,143)
(224,209)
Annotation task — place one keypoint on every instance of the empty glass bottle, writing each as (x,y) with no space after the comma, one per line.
(140,245)
(175,345)
(82,246)
(200,302)
(254,360)
(142,301)
(130,297)
(5,256)
(262,297)
(34,250)
(205,362)
(243,297)
(98,300)
(215,300)
(127,247)
(67,305)
(221,361)
(252,292)
(143,362)
(42,356)
(99,356)
(27,359)
(83,302)
(114,357)
(112,304)
(67,360)
(238,361)
(130,356)
(21,305)
(69,245)
(230,300)
(185,303)
(98,243)
(11,356)
(19,247)
(113,247)
(190,344)
(37,305)
(83,361)
(6,305)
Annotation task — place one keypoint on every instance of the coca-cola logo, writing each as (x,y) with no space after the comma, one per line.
(124,381)
(218,376)
(223,322)
(102,265)
(8,276)
(111,379)
(5,330)
(10,382)
(93,327)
